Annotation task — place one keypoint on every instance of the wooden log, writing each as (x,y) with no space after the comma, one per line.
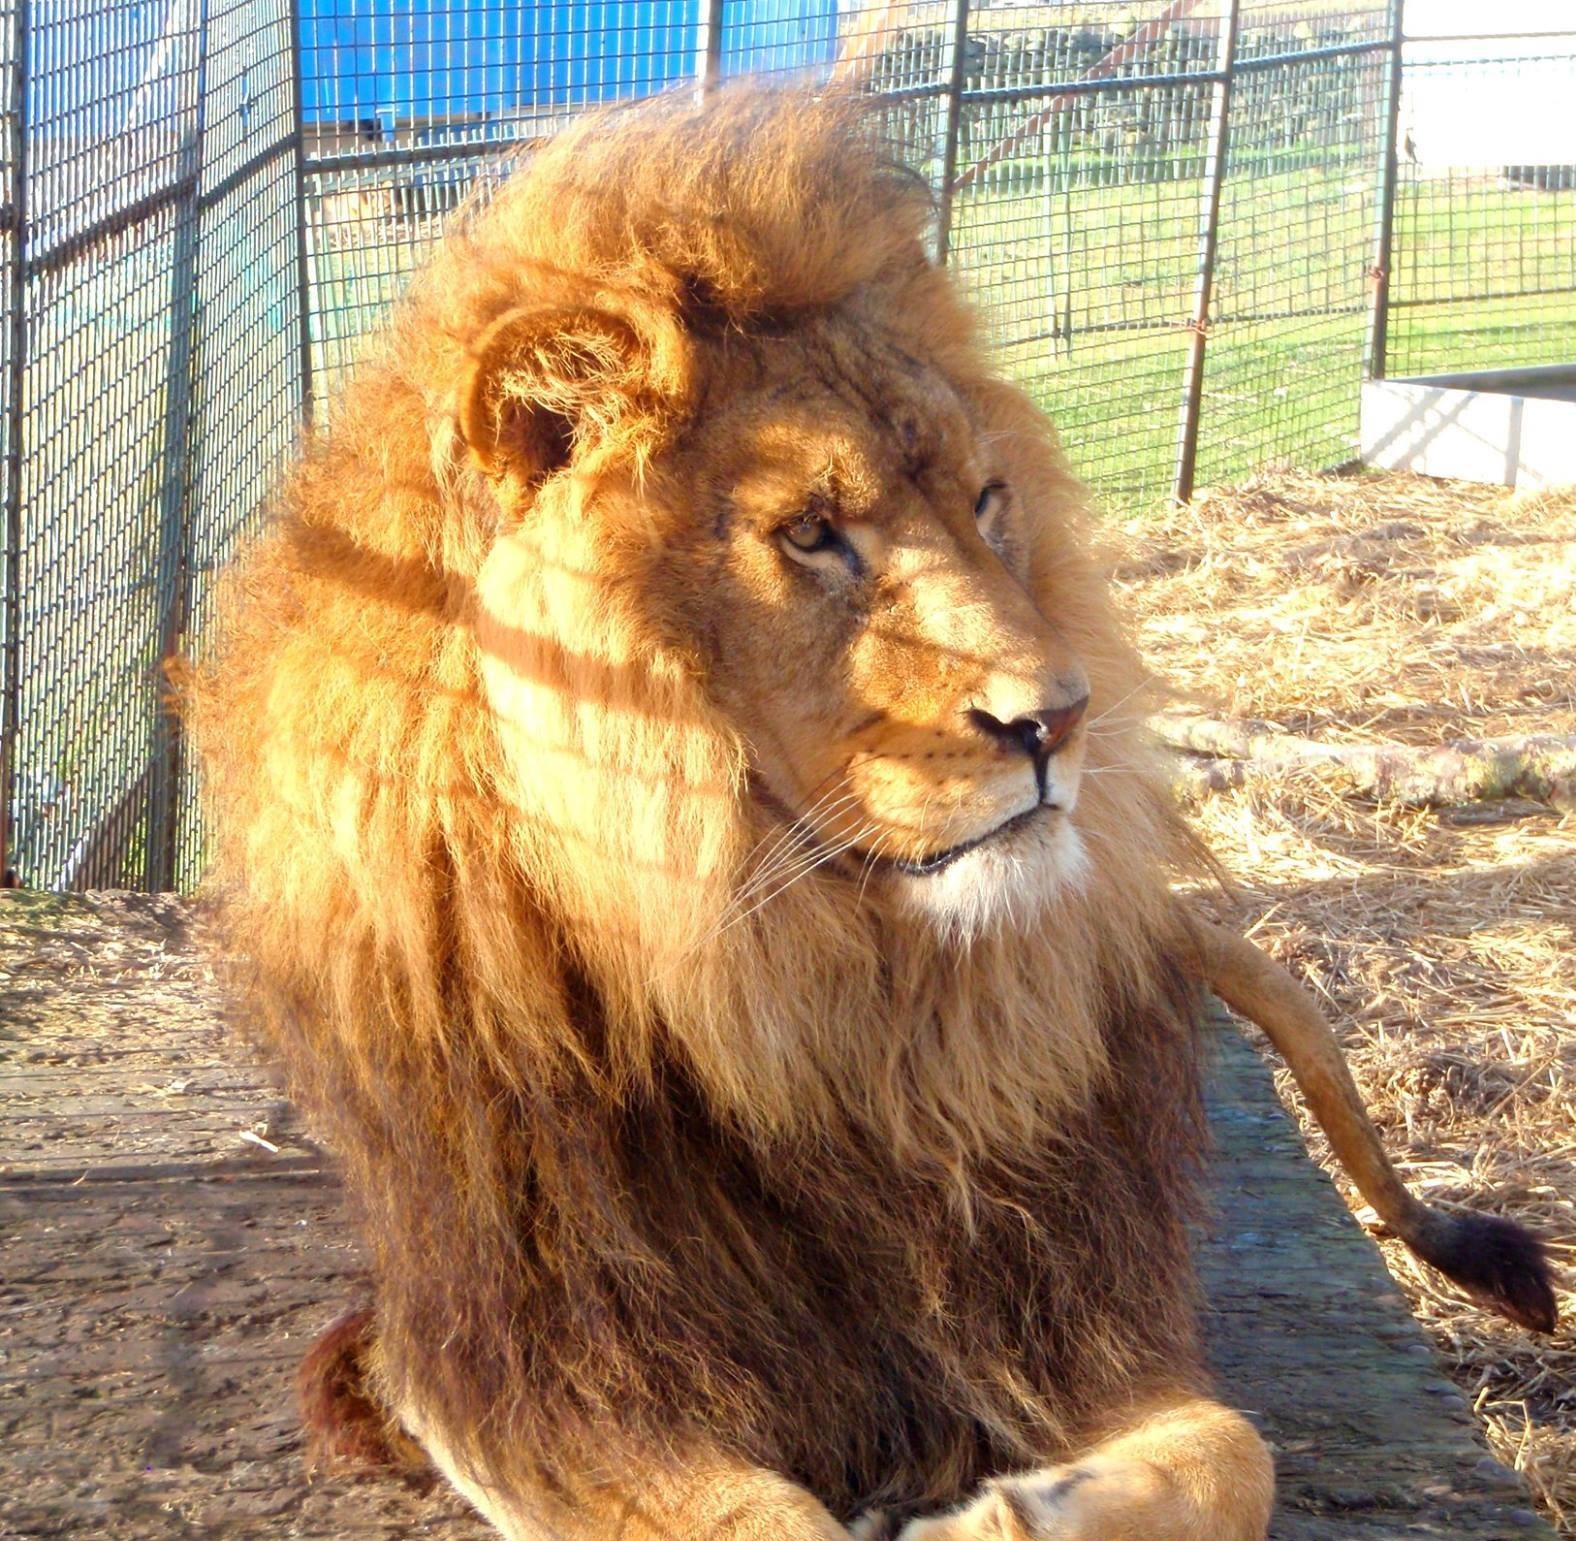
(1541,767)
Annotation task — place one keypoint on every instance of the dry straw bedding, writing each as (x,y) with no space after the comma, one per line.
(1394,609)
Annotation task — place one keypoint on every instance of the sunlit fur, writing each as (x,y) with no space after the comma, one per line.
(990,887)
(880,1180)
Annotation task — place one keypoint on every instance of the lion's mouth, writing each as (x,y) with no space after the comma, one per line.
(939,861)
(910,866)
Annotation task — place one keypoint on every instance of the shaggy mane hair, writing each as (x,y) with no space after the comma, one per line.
(879,1209)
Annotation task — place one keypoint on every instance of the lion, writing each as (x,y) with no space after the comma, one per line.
(679,779)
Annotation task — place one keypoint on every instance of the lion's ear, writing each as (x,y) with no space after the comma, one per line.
(543,381)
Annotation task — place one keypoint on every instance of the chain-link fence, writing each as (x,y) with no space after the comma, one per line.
(1194,223)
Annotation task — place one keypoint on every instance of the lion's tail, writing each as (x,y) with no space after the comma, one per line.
(1498,1263)
(345,1424)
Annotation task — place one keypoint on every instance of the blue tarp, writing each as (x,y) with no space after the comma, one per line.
(385,62)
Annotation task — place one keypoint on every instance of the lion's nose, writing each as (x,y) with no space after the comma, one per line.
(1038,734)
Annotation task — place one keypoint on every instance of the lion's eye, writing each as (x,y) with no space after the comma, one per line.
(991,501)
(810,534)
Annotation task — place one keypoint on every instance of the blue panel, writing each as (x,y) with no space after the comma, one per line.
(762,35)
(390,62)
(605,50)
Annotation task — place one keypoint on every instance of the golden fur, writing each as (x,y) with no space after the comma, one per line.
(562,810)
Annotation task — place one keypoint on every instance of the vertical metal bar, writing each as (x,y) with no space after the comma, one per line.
(1208,246)
(708,45)
(1375,353)
(956,65)
(173,573)
(15,216)
(303,230)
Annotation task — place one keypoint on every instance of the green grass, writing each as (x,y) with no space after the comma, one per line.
(1090,289)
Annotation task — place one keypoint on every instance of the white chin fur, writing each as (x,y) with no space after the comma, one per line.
(1003,882)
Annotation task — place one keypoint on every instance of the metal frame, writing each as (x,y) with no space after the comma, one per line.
(708,47)
(302,229)
(1208,243)
(956,59)
(1374,356)
(173,581)
(14,214)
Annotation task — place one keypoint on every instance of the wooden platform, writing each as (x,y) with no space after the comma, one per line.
(172,1240)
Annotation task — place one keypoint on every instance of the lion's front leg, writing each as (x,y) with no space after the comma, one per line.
(1188,1471)
(709,1497)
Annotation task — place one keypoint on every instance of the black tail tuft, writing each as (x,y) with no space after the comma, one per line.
(1500,1264)
(345,1426)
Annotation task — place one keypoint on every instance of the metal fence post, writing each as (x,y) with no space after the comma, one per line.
(303,229)
(1376,351)
(14,215)
(1208,245)
(708,45)
(173,574)
(956,64)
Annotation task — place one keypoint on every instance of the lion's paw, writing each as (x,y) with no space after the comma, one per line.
(1091,1501)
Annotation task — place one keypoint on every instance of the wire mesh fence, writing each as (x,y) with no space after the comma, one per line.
(1193,224)
(1485,210)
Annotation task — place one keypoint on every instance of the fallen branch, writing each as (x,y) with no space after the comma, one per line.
(1541,767)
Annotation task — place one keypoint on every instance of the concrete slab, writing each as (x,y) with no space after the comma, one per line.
(1514,427)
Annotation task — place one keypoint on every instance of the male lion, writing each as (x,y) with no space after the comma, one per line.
(681,783)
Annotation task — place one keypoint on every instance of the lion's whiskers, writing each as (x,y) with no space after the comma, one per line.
(784,840)
(1099,717)
(872,856)
(829,854)
(784,871)
(789,857)
(820,792)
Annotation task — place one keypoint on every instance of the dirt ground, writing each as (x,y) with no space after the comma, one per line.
(1400,610)
(173,1239)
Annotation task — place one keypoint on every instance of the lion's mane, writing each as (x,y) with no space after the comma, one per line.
(881,1209)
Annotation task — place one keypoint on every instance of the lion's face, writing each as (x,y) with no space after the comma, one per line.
(859,554)
(858,565)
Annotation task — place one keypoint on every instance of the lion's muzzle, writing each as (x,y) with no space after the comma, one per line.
(1039,734)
